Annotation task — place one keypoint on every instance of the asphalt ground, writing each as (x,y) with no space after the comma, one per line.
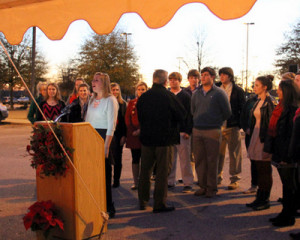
(224,217)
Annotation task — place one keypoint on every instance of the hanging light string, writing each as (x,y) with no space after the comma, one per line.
(103,214)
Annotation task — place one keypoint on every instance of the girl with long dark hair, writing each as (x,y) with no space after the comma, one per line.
(278,142)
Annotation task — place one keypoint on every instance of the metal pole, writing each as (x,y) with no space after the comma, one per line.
(125,67)
(32,81)
(247,46)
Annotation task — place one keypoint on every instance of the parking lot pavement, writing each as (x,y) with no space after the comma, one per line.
(224,217)
(17,116)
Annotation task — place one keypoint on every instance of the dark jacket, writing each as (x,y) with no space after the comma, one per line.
(294,148)
(32,113)
(185,100)
(75,114)
(278,146)
(237,102)
(246,111)
(121,126)
(265,114)
(159,114)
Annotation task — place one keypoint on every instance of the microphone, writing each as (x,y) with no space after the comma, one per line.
(66,110)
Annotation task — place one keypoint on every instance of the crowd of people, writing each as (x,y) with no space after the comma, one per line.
(196,124)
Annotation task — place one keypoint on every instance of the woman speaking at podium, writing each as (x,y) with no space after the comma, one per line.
(102,114)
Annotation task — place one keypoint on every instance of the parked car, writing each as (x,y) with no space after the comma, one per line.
(6,100)
(23,100)
(3,112)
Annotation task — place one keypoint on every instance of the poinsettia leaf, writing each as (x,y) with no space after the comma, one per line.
(27,220)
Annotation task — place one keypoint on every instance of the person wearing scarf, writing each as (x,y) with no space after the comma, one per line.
(278,143)
(294,153)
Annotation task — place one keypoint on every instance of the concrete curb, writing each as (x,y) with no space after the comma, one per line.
(16,121)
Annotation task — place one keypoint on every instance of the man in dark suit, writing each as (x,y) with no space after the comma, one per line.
(159,113)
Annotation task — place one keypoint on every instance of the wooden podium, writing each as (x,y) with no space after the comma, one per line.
(82,219)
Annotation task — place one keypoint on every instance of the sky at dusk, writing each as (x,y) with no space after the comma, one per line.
(174,46)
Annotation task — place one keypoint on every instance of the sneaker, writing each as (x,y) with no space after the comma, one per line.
(200,192)
(252,189)
(187,189)
(164,209)
(233,186)
(180,181)
(261,206)
(252,204)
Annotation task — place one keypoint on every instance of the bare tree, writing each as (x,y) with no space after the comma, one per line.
(197,51)
(289,52)
(21,56)
(67,75)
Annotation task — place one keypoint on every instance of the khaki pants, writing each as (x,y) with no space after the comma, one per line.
(183,150)
(162,157)
(232,137)
(206,145)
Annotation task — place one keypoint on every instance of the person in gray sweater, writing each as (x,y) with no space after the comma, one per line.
(210,108)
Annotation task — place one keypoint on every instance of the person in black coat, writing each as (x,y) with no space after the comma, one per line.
(231,135)
(159,114)
(245,124)
(278,143)
(294,154)
(78,107)
(258,129)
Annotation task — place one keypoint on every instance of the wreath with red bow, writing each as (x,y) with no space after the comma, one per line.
(47,156)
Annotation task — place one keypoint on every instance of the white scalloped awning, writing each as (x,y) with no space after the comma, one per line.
(53,17)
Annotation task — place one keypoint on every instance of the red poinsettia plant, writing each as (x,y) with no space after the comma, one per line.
(47,156)
(42,216)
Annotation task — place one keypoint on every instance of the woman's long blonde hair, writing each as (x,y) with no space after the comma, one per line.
(106,91)
(119,98)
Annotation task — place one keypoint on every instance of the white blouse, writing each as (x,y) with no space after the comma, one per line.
(103,114)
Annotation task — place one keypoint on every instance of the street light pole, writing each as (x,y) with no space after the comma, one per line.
(126,36)
(33,47)
(247,45)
